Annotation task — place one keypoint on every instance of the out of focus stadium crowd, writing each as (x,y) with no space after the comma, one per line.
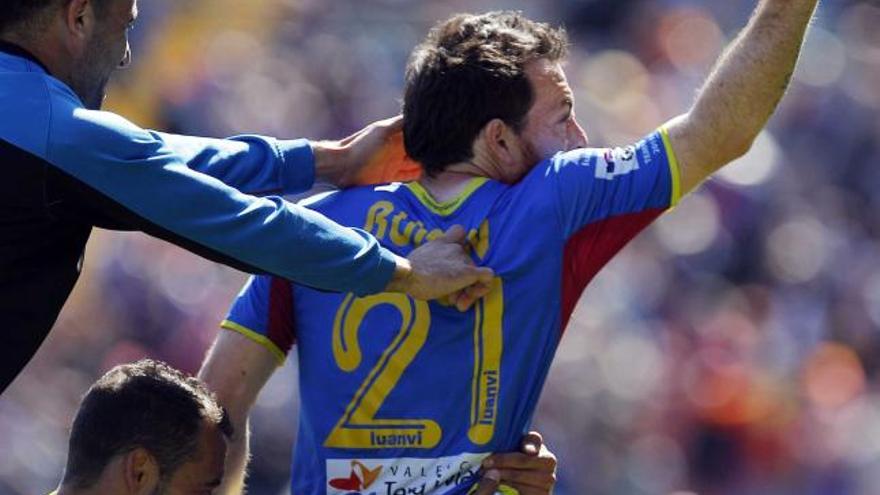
(733,348)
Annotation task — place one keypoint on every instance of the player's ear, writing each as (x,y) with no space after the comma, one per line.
(140,472)
(500,142)
(79,23)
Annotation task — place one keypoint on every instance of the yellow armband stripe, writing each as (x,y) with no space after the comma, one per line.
(674,171)
(256,337)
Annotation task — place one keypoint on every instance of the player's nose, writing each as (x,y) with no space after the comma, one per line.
(126,57)
(577,137)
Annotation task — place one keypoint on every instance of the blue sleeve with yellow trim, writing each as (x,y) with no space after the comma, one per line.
(263,312)
(595,184)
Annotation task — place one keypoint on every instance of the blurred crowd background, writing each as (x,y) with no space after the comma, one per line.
(733,348)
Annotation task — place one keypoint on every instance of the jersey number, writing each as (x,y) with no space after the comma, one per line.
(359,428)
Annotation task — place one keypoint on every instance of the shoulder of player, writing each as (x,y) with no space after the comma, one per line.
(590,158)
(45,117)
(27,102)
(331,202)
(75,132)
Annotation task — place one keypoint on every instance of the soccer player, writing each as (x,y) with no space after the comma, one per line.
(68,167)
(401,396)
(146,428)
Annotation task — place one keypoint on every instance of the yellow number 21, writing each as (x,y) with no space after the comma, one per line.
(358,427)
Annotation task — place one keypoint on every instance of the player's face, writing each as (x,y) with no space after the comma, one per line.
(202,474)
(551,125)
(107,49)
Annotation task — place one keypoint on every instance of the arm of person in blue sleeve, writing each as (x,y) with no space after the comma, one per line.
(256,165)
(148,185)
(264,166)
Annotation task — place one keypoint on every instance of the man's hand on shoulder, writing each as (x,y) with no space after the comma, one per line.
(373,155)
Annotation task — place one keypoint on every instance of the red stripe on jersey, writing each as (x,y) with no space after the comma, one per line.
(281,327)
(588,250)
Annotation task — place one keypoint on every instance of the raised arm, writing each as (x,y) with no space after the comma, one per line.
(236,369)
(742,92)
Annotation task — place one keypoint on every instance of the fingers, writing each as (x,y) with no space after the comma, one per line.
(483,275)
(528,481)
(391,124)
(470,295)
(536,479)
(516,460)
(383,128)
(346,141)
(478,280)
(471,284)
(531,443)
(455,234)
(529,490)
(532,471)
(488,483)
(444,266)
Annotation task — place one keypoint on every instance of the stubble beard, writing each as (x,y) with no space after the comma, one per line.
(90,84)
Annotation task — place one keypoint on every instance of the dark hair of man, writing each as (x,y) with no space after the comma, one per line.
(147,404)
(468,71)
(19,15)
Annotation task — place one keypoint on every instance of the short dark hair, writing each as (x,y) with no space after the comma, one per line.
(147,404)
(16,13)
(469,70)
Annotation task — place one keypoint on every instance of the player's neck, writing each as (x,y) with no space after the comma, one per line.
(448,184)
(105,484)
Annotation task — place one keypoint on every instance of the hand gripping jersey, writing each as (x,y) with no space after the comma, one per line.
(401,396)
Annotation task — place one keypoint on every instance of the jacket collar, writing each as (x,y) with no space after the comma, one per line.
(17,51)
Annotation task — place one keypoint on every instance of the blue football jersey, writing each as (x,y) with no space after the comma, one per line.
(401,396)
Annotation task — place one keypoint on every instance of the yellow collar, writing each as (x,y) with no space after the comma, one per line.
(446,208)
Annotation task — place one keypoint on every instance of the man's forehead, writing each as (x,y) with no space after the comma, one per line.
(206,468)
(549,81)
(543,68)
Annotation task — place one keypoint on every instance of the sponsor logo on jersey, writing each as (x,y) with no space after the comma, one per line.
(360,478)
(617,161)
(401,476)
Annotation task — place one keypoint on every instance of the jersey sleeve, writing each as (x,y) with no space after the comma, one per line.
(153,183)
(263,312)
(252,164)
(593,185)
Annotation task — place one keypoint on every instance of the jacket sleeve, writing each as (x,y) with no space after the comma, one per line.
(252,164)
(173,187)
